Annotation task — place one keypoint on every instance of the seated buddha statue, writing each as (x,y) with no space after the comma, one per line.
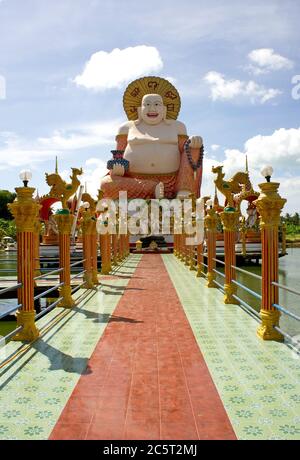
(158,159)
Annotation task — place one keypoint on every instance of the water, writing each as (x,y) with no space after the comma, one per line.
(8,271)
(289,275)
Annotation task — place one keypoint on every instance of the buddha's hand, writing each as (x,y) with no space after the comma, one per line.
(196,142)
(118,170)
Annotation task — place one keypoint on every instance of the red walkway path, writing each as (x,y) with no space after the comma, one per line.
(147,378)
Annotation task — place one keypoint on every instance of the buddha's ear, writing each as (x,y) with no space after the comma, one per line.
(139,118)
(168,122)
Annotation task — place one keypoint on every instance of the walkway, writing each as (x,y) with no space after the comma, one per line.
(173,362)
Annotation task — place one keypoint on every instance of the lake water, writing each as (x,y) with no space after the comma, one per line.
(289,275)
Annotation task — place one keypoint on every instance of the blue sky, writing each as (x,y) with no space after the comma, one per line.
(232,62)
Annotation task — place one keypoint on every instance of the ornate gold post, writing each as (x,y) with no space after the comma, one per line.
(174,244)
(94,253)
(122,247)
(64,222)
(115,249)
(87,225)
(90,205)
(200,267)
(269,205)
(25,211)
(36,244)
(192,257)
(210,223)
(230,220)
(128,244)
(105,253)
(186,252)
(243,230)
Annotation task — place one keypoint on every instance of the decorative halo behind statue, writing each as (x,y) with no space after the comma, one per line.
(136,90)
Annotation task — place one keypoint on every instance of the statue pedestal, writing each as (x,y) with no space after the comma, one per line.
(51,240)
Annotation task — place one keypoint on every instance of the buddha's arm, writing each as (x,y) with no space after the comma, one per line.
(187,181)
(121,140)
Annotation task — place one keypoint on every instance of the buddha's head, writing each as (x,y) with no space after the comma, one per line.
(152,110)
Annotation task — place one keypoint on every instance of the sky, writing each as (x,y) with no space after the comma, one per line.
(64,66)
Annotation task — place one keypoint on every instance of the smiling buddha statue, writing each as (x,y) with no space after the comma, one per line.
(154,157)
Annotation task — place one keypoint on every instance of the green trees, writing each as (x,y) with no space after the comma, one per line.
(7,225)
(292,222)
(5,198)
(7,228)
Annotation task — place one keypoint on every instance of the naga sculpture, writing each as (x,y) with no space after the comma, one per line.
(61,189)
(230,187)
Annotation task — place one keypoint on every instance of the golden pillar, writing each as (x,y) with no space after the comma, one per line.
(122,246)
(64,222)
(94,243)
(36,246)
(192,257)
(269,205)
(87,225)
(210,223)
(128,245)
(114,249)
(243,231)
(230,221)
(200,267)
(182,239)
(26,214)
(105,250)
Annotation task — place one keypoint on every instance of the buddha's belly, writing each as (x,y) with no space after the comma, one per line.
(152,158)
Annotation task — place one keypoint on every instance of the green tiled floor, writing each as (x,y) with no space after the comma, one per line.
(35,387)
(258,381)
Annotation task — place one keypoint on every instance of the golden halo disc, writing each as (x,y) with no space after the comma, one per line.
(137,89)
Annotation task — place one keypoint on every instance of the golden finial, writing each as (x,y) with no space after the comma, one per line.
(56,165)
(247,169)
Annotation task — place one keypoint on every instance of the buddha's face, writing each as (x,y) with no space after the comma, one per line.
(152,109)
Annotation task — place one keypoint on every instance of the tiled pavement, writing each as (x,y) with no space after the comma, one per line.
(147,378)
(36,386)
(258,382)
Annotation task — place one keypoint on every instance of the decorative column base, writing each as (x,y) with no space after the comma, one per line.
(88,278)
(199,272)
(67,300)
(266,331)
(230,290)
(29,332)
(95,280)
(192,261)
(105,270)
(211,276)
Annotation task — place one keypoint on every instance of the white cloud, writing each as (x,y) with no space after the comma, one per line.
(265,60)
(84,136)
(16,151)
(223,89)
(94,170)
(281,149)
(215,147)
(112,70)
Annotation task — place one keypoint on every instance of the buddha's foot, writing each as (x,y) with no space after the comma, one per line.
(159,190)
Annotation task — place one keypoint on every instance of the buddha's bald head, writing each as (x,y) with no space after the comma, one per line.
(152,110)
